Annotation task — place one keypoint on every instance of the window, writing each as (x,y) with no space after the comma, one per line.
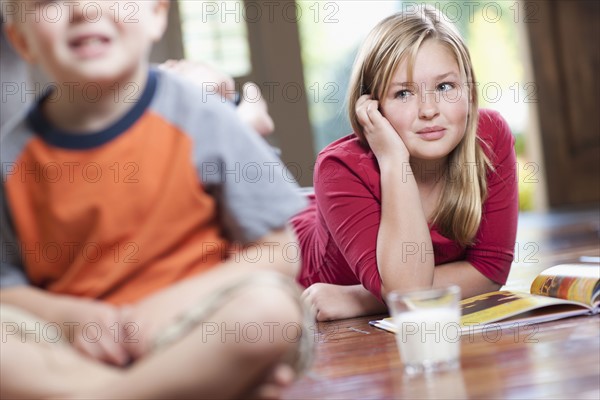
(215,33)
(330,34)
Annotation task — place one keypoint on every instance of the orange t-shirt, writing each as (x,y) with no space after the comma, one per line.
(119,214)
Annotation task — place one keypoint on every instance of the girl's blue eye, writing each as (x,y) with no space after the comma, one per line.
(402,94)
(444,87)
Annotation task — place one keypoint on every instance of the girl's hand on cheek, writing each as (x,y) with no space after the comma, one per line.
(383,139)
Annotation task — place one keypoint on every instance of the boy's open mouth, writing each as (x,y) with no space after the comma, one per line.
(89,45)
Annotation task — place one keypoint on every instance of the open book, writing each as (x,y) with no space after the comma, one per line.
(558,292)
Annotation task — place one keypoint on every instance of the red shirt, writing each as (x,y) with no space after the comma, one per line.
(338,230)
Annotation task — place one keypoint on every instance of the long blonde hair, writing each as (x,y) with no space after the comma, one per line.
(398,38)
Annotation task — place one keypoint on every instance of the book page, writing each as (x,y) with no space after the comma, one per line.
(576,282)
(504,308)
(497,306)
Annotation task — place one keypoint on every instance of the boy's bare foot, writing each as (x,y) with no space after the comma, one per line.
(278,379)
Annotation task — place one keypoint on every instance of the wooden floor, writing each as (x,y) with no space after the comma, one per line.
(559,359)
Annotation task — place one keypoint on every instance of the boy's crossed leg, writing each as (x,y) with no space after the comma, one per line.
(218,335)
(36,361)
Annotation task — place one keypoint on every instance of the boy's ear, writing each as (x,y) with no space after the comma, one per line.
(16,37)
(161,16)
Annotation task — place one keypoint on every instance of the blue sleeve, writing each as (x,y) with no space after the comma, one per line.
(255,191)
(11,270)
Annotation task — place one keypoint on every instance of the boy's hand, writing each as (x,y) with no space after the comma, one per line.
(93,327)
(97,330)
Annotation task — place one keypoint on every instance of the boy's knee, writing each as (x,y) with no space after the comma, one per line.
(276,323)
(259,319)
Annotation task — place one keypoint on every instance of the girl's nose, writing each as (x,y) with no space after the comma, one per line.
(428,106)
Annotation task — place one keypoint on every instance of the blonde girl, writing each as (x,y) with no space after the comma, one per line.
(423,193)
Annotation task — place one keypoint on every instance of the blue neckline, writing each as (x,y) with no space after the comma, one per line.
(78,140)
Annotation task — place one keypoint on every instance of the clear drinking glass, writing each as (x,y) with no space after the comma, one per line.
(428,329)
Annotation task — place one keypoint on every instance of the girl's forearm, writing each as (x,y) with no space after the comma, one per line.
(462,273)
(404,249)
(368,303)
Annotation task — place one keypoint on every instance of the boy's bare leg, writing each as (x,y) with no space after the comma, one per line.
(227,355)
(34,363)
(154,314)
(204,363)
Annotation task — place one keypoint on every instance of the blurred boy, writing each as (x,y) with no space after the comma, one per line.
(124,194)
